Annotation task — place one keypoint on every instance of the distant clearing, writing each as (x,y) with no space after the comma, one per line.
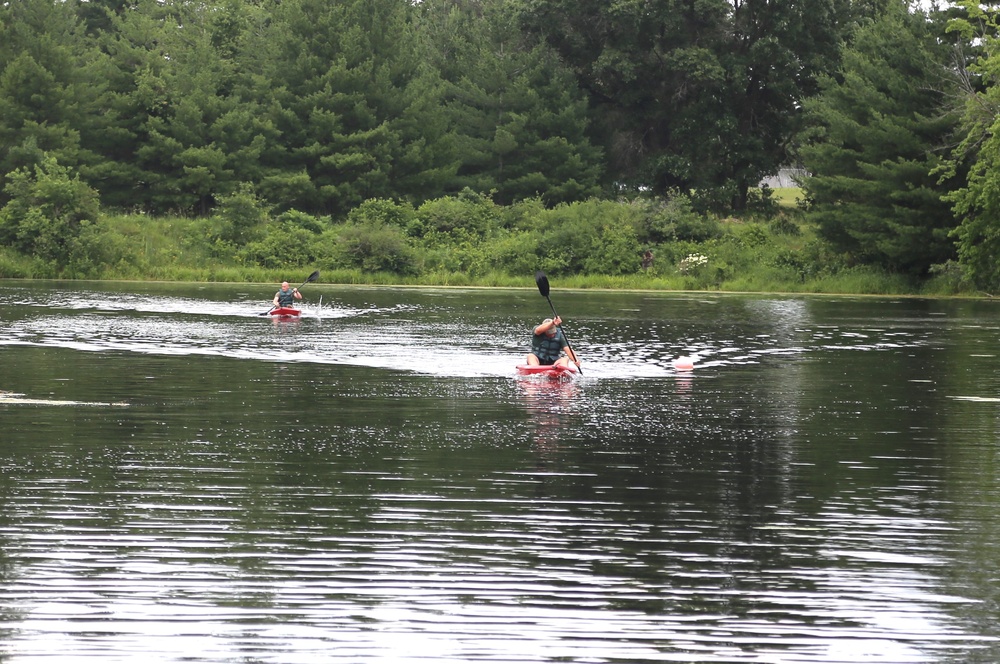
(787,196)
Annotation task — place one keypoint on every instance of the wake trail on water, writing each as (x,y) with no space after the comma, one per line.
(428,339)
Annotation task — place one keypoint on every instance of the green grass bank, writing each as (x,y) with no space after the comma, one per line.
(467,240)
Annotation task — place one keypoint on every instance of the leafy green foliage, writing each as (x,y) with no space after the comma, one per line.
(241,214)
(512,253)
(352,103)
(674,218)
(374,247)
(470,137)
(744,256)
(593,235)
(51,89)
(384,212)
(463,218)
(98,251)
(47,210)
(292,239)
(697,97)
(978,201)
(614,250)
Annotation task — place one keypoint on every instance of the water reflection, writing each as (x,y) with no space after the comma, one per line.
(549,403)
(380,486)
(683,384)
(286,325)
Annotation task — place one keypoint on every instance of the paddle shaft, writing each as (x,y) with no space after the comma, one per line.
(555,315)
(312,277)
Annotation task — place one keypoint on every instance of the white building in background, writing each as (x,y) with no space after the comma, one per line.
(786,177)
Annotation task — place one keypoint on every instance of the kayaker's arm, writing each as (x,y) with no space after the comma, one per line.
(571,355)
(547,325)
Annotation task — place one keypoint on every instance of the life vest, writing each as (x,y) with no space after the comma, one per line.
(286,298)
(547,348)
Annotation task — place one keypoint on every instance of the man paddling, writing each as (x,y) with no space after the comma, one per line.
(286,296)
(548,344)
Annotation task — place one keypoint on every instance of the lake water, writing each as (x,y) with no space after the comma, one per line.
(184,480)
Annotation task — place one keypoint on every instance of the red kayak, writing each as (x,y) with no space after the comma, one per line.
(285,312)
(546,370)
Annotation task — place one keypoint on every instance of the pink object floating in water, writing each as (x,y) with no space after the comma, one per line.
(684,364)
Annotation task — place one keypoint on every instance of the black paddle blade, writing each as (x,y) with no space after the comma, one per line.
(313,277)
(543,283)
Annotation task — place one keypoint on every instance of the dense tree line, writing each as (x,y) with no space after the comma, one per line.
(314,109)
(166,106)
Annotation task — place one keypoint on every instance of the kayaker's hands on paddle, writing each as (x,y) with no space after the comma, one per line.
(284,297)
(556,322)
(549,346)
(548,324)
(543,287)
(572,356)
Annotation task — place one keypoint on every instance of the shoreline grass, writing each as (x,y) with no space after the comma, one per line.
(835,286)
(779,255)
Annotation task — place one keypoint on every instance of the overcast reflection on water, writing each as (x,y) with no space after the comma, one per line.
(186,480)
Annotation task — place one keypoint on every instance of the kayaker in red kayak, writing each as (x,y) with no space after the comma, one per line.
(549,345)
(286,296)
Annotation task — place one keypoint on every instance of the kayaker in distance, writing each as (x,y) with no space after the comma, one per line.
(549,345)
(286,296)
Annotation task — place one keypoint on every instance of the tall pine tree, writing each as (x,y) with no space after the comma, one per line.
(353,104)
(882,126)
(521,121)
(50,92)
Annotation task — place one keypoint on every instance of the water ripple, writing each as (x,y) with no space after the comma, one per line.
(372,483)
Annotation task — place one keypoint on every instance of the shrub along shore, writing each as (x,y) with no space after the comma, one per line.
(467,240)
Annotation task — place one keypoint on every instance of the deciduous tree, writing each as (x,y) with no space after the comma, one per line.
(47,209)
(695,96)
(977,203)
